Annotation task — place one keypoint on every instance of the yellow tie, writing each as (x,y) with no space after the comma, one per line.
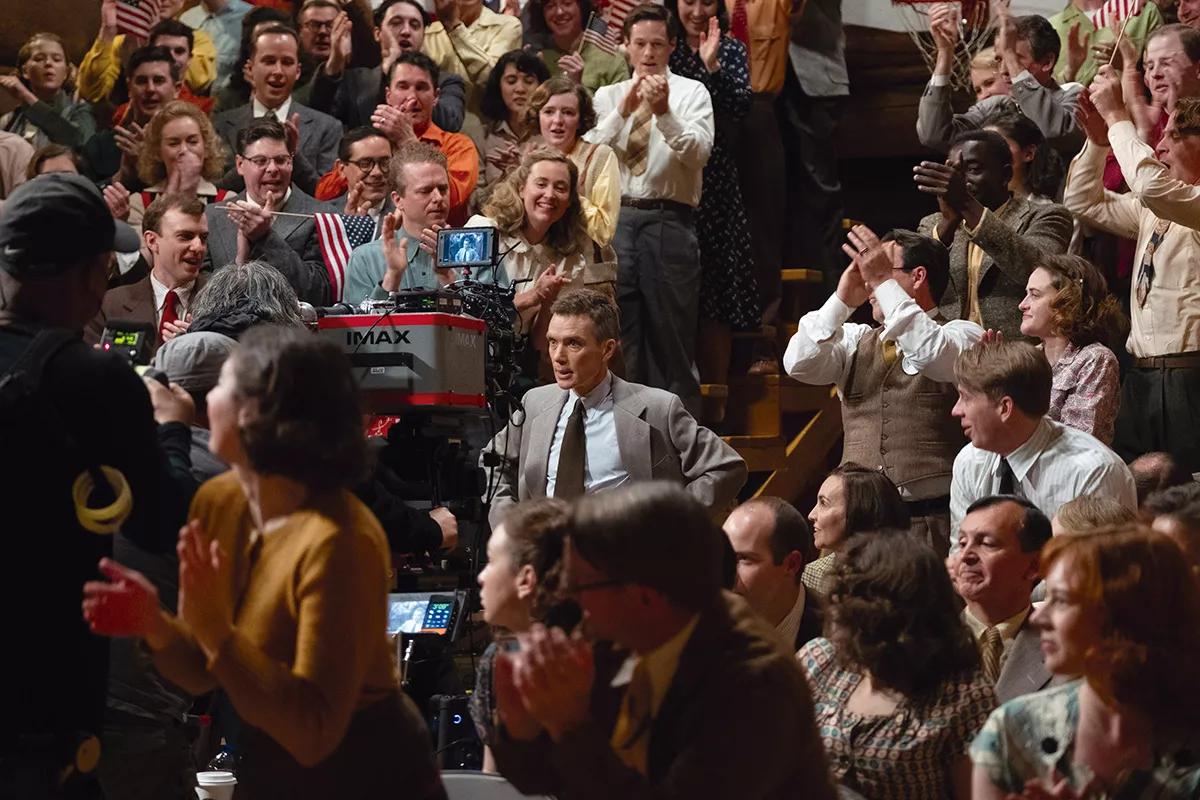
(631,735)
(890,353)
(991,646)
(638,147)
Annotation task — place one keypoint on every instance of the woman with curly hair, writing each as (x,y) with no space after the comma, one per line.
(519,586)
(46,111)
(1068,307)
(505,108)
(1123,612)
(182,154)
(852,499)
(283,582)
(897,686)
(561,111)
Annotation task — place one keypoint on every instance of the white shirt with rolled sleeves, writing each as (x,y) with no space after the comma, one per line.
(680,140)
(822,349)
(1055,465)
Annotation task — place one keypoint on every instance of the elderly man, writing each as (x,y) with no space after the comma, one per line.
(772,544)
(994,571)
(1162,213)
(591,431)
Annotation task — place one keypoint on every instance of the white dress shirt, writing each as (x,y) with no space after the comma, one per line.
(789,627)
(1054,466)
(823,347)
(603,468)
(680,140)
(259,110)
(184,293)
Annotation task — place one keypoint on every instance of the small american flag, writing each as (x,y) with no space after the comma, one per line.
(136,17)
(615,13)
(597,32)
(1114,11)
(337,236)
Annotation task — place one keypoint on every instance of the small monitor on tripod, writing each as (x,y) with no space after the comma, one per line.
(470,248)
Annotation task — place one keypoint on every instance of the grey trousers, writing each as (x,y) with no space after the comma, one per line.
(658,292)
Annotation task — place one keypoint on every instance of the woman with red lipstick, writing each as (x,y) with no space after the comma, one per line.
(1068,307)
(45,112)
(1123,612)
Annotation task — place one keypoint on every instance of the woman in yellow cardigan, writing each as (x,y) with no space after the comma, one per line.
(283,586)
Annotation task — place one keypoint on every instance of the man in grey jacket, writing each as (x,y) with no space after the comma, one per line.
(1027,48)
(591,431)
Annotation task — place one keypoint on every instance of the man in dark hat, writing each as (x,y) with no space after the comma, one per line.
(80,458)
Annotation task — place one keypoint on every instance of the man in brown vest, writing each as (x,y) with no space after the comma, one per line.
(896,381)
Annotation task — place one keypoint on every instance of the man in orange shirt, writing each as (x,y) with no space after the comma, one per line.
(405,117)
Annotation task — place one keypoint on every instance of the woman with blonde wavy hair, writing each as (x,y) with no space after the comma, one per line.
(1068,306)
(182,154)
(1123,614)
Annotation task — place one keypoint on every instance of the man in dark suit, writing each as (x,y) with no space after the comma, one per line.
(274,68)
(772,544)
(247,228)
(364,160)
(686,692)
(591,431)
(174,230)
(994,237)
(994,571)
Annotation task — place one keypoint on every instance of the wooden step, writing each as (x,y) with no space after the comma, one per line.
(802,276)
(761,453)
(754,405)
(720,390)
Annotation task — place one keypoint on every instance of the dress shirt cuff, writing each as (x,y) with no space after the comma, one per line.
(890,294)
(669,125)
(939,80)
(826,320)
(973,232)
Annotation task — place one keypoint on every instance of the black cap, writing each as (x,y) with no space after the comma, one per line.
(51,222)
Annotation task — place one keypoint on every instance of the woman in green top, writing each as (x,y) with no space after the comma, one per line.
(556,26)
(45,113)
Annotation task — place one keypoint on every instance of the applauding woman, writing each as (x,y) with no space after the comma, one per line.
(182,154)
(1122,610)
(45,112)
(1068,307)
(505,105)
(283,581)
(556,26)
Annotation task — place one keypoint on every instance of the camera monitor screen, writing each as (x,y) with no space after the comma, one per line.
(466,247)
(412,613)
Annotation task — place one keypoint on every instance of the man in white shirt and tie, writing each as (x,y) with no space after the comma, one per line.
(591,431)
(175,233)
(1003,396)
(661,127)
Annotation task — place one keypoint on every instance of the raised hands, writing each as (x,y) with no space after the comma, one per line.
(656,92)
(572,65)
(252,221)
(341,45)
(545,289)
(17,89)
(633,97)
(124,605)
(116,197)
(291,127)
(1090,121)
(943,26)
(204,601)
(505,157)
(396,123)
(395,253)
(546,685)
(355,202)
(947,183)
(1105,94)
(187,173)
(710,45)
(868,254)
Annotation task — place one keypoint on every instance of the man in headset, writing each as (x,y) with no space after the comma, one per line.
(70,414)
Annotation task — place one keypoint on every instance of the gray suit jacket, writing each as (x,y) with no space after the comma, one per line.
(1012,240)
(657,437)
(1023,671)
(320,135)
(353,96)
(1052,110)
(291,246)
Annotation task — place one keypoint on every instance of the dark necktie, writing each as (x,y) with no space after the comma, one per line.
(568,483)
(170,312)
(1008,480)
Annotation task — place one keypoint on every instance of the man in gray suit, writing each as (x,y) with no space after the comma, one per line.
(994,571)
(592,431)
(995,239)
(247,228)
(274,69)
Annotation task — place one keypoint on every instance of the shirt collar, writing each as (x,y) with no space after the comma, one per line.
(257,109)
(433,134)
(661,663)
(1024,457)
(1009,628)
(789,626)
(160,292)
(597,395)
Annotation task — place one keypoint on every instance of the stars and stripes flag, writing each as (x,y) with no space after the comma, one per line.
(136,17)
(597,32)
(337,236)
(1114,11)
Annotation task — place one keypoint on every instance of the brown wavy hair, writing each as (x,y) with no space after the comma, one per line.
(150,165)
(536,530)
(561,84)
(893,612)
(1083,311)
(1149,607)
(567,236)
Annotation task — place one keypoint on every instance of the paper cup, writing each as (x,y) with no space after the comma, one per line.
(215,785)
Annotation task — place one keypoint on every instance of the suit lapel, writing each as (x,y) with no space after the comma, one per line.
(541,436)
(286,226)
(1014,215)
(633,432)
(1024,670)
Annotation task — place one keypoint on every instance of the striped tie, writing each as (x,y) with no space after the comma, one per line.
(991,646)
(638,146)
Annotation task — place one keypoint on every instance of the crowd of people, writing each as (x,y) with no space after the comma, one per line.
(996,592)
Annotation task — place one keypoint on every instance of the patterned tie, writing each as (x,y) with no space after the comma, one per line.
(631,735)
(170,312)
(568,481)
(637,149)
(1145,279)
(890,353)
(990,647)
(739,22)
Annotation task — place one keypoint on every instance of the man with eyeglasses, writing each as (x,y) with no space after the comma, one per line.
(249,227)
(1162,212)
(364,160)
(896,382)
